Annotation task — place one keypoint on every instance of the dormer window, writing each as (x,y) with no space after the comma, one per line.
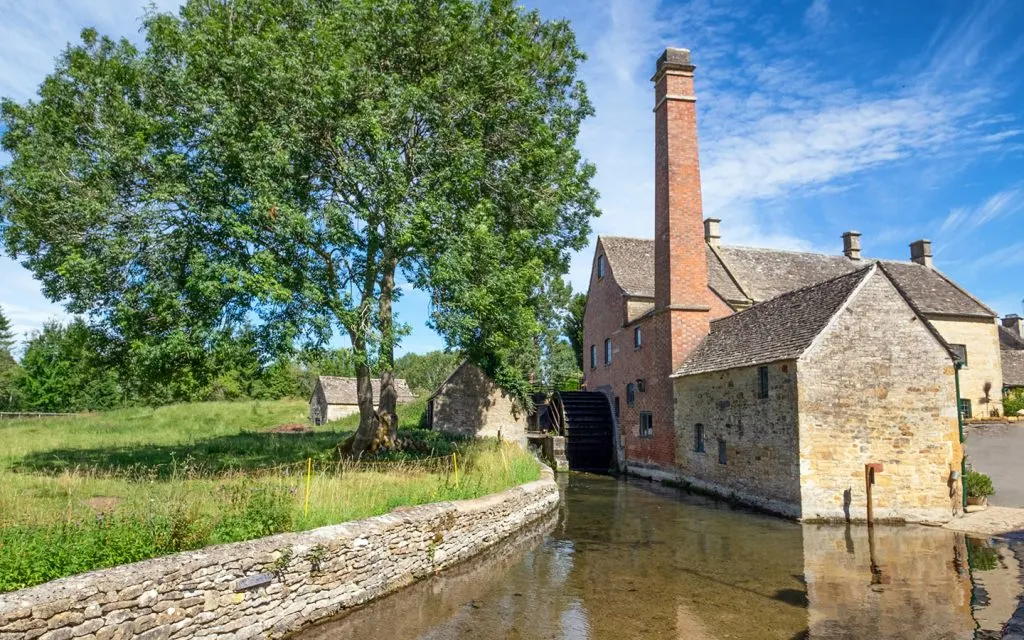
(601,267)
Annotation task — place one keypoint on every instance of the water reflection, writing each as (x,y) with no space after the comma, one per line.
(631,560)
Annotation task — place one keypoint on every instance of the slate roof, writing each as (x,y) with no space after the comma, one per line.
(779,329)
(1013,367)
(1009,340)
(763,274)
(343,390)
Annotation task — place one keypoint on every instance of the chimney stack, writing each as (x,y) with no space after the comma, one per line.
(713,232)
(1015,324)
(851,245)
(681,291)
(921,252)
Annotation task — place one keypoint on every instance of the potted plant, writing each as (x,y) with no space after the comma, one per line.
(979,488)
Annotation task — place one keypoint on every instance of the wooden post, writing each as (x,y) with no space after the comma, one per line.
(869,481)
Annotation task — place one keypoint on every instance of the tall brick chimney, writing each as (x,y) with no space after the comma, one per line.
(680,258)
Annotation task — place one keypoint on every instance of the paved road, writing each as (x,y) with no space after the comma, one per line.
(998,450)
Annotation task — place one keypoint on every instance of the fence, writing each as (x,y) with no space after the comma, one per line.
(35,414)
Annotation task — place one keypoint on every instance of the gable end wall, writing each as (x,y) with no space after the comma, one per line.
(877,387)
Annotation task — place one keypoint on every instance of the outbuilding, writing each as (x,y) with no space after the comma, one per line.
(470,403)
(335,397)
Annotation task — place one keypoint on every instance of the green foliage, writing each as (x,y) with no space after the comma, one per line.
(979,485)
(982,556)
(572,325)
(425,372)
(6,334)
(126,497)
(1013,402)
(62,371)
(287,162)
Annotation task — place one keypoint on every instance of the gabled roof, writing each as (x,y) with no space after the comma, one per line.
(632,263)
(780,329)
(1013,367)
(1009,340)
(763,274)
(343,390)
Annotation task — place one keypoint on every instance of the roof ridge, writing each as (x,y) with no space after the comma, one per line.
(858,272)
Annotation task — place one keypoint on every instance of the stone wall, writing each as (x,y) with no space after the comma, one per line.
(760,435)
(272,586)
(876,386)
(469,403)
(984,366)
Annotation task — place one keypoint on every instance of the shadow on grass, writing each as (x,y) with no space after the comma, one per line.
(240,452)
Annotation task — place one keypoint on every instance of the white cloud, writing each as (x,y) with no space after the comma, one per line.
(816,16)
(21,300)
(964,220)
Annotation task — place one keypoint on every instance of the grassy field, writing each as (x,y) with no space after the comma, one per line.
(86,492)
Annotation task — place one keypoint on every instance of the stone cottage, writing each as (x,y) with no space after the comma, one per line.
(651,303)
(335,397)
(784,404)
(1011,342)
(469,403)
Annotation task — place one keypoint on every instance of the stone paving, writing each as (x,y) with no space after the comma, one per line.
(998,450)
(993,521)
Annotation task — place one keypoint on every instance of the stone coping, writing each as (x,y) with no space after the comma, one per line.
(272,586)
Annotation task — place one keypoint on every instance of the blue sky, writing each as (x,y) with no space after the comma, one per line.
(902,119)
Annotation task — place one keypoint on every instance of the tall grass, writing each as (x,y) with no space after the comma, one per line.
(83,493)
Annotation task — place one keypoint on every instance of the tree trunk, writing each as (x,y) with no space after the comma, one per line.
(387,409)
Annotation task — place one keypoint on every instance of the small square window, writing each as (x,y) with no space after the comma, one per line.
(601,268)
(608,351)
(723,454)
(961,353)
(630,394)
(646,424)
(698,438)
(638,338)
(762,377)
(593,356)
(965,409)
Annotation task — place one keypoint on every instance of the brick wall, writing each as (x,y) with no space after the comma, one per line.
(877,387)
(470,403)
(981,337)
(760,435)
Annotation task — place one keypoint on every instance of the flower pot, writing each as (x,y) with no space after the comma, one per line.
(977,500)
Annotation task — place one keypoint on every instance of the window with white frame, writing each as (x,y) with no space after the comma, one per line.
(646,424)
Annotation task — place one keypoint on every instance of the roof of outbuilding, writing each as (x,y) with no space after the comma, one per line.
(763,274)
(779,329)
(343,390)
(1013,367)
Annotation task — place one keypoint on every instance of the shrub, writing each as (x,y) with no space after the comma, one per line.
(979,485)
(1013,401)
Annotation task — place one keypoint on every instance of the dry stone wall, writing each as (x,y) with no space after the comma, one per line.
(275,585)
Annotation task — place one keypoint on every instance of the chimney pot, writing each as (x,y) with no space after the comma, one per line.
(851,245)
(921,252)
(1015,324)
(713,232)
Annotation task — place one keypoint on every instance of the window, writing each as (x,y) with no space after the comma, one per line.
(965,409)
(593,356)
(631,394)
(641,385)
(723,455)
(600,266)
(616,404)
(646,424)
(961,353)
(698,438)
(608,351)
(638,338)
(762,375)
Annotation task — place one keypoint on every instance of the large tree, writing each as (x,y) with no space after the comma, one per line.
(299,161)
(572,325)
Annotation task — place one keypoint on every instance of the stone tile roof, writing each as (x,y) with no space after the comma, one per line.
(764,274)
(343,390)
(632,263)
(779,329)
(1009,340)
(1013,367)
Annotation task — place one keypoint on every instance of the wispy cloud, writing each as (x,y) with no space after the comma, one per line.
(816,16)
(964,220)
